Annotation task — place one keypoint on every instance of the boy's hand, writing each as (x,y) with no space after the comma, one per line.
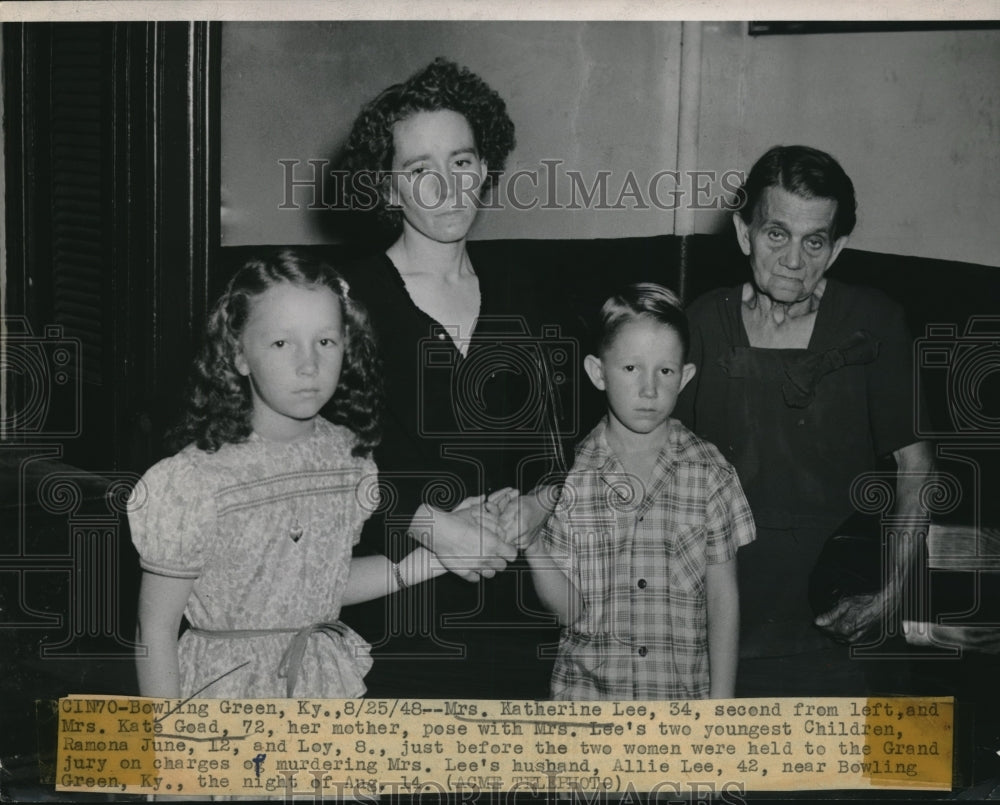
(498,501)
(521,518)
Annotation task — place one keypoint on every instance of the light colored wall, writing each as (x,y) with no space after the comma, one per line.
(594,96)
(914,118)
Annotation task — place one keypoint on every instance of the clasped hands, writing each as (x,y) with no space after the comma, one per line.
(483,533)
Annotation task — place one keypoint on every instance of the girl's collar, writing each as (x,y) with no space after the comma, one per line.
(307,436)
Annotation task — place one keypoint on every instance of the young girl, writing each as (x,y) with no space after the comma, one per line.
(248,530)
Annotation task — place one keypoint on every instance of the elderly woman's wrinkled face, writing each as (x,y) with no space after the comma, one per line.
(790,243)
(437,174)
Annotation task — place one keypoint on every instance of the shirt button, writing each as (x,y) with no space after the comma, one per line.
(643,651)
(641,584)
(440,336)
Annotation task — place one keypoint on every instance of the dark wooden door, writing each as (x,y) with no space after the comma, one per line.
(112,223)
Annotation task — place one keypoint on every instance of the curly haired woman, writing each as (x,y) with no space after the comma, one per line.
(471,413)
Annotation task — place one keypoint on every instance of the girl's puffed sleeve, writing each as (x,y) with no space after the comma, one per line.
(171,515)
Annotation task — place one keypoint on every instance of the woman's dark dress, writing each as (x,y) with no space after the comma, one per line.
(799,426)
(453,427)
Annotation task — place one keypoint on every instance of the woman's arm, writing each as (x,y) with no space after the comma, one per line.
(974,638)
(161,606)
(723,628)
(853,616)
(466,540)
(375,576)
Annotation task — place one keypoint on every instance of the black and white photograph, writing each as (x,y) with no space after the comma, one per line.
(574,353)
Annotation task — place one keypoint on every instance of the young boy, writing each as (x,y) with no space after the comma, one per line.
(638,558)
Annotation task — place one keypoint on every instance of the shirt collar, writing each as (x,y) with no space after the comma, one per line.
(595,453)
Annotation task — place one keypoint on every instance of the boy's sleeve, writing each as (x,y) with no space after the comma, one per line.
(555,536)
(730,522)
(171,517)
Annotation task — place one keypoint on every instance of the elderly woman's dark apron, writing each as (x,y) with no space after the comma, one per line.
(797,426)
(795,474)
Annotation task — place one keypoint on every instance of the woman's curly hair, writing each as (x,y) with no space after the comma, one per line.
(220,403)
(440,85)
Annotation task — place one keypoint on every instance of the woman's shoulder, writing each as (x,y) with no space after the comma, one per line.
(713,300)
(693,449)
(866,307)
(860,298)
(378,286)
(368,272)
(715,312)
(509,286)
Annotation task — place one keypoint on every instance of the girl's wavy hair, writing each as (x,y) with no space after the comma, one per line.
(220,403)
(441,85)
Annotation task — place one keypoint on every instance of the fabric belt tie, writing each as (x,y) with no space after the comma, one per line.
(291,660)
(803,375)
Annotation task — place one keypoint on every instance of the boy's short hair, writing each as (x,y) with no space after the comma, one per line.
(641,300)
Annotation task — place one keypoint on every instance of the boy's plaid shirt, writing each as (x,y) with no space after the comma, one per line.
(640,564)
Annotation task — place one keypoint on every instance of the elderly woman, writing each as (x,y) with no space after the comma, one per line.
(803,383)
(470,404)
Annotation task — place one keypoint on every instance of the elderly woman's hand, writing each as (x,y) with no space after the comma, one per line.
(853,617)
